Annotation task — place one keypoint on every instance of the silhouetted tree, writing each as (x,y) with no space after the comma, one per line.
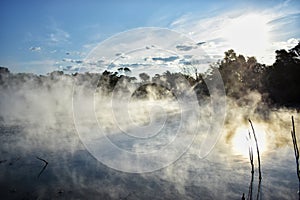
(282,79)
(126,69)
(240,75)
(4,70)
(144,77)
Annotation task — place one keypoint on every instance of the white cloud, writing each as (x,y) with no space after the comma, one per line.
(288,44)
(35,48)
(58,35)
(247,32)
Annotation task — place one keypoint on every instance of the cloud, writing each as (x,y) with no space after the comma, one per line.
(69,68)
(232,30)
(288,44)
(185,47)
(129,65)
(135,65)
(165,59)
(72,61)
(97,63)
(82,65)
(35,48)
(200,43)
(187,56)
(58,35)
(76,53)
(284,26)
(196,62)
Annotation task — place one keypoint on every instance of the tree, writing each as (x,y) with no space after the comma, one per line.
(282,79)
(127,70)
(4,70)
(144,77)
(240,75)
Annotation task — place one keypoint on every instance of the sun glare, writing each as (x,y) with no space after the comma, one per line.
(248,34)
(241,141)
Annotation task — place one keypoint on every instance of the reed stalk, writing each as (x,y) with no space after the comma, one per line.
(296,151)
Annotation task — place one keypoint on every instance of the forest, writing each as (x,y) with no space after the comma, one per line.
(278,83)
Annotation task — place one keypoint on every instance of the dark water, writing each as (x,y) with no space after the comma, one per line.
(72,172)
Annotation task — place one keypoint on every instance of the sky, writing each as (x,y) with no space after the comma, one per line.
(42,36)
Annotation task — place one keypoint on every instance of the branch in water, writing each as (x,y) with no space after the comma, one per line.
(258,156)
(43,169)
(252,168)
(296,150)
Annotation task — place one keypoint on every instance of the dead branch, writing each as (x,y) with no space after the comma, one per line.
(296,151)
(252,168)
(257,149)
(258,189)
(43,169)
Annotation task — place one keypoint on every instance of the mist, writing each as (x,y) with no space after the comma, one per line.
(53,117)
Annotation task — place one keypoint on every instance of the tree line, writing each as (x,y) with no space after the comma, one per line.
(278,83)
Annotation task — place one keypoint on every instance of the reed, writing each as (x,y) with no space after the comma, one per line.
(252,168)
(257,149)
(296,151)
(250,191)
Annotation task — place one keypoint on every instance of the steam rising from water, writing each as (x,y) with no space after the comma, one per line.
(69,121)
(37,121)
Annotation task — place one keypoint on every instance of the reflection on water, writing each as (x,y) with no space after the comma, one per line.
(241,140)
(72,173)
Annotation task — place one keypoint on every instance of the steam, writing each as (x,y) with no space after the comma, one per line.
(37,120)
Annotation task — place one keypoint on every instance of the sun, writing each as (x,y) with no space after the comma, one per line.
(241,142)
(248,34)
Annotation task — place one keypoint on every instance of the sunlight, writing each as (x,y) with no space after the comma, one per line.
(248,34)
(240,143)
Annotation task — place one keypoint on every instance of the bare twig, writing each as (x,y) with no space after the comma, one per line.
(43,169)
(257,149)
(296,150)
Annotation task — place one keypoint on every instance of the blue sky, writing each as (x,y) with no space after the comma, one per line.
(39,36)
